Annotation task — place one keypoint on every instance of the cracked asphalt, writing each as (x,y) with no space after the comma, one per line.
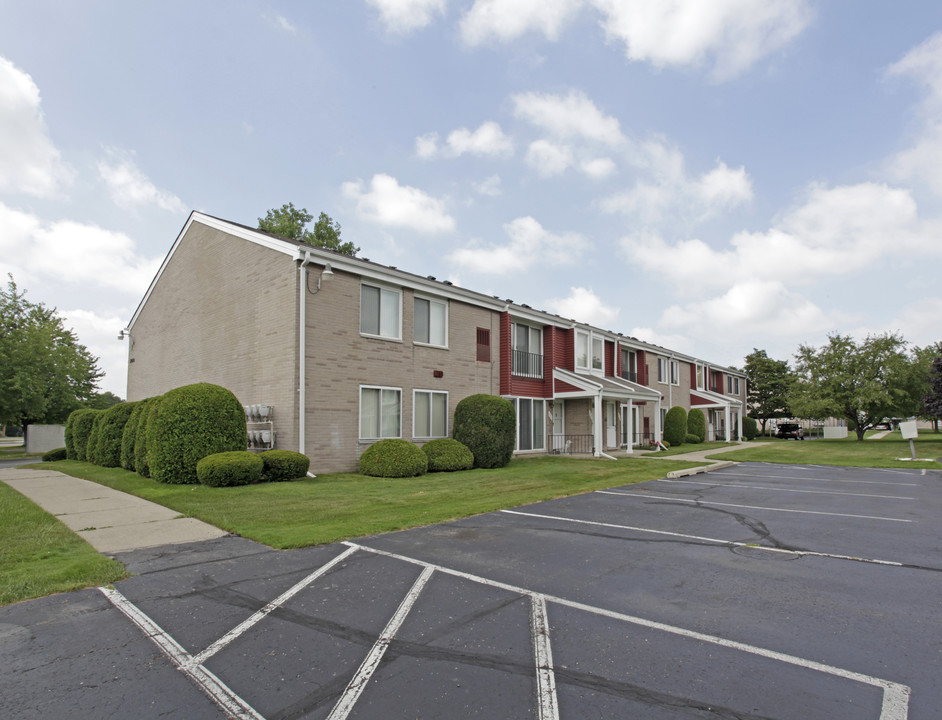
(754,592)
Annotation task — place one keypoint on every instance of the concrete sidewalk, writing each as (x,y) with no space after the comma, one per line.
(701,456)
(110,520)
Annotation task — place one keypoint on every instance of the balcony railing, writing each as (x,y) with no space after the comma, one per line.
(527,364)
(572,444)
(630,376)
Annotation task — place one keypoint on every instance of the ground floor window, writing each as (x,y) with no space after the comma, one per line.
(531,423)
(380,413)
(430,414)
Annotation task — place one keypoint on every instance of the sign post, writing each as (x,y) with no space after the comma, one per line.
(909,431)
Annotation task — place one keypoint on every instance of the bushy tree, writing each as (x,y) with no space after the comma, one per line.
(768,383)
(46,372)
(486,425)
(290,222)
(394,458)
(932,400)
(675,426)
(860,382)
(696,424)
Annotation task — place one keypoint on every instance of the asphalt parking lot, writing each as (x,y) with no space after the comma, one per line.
(758,591)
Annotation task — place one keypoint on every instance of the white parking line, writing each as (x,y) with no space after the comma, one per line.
(766,487)
(543,657)
(895,695)
(234,706)
(721,473)
(355,687)
(645,496)
(716,541)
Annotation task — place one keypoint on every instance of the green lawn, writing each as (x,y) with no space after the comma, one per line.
(39,555)
(849,452)
(340,506)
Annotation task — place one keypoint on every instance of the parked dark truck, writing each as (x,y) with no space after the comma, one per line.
(790,430)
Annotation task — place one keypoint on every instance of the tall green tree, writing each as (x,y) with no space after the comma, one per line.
(47,373)
(768,383)
(290,222)
(860,382)
(932,400)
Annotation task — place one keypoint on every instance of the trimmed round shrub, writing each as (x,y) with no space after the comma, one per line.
(189,423)
(692,439)
(55,455)
(696,424)
(486,425)
(447,455)
(675,426)
(111,432)
(393,458)
(129,436)
(237,467)
(91,448)
(82,421)
(750,428)
(149,407)
(69,442)
(284,465)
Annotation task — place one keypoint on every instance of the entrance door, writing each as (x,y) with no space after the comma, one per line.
(647,429)
(611,437)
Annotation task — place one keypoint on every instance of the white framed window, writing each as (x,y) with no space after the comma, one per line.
(732,385)
(528,350)
(582,350)
(598,354)
(429,414)
(380,314)
(629,365)
(700,377)
(663,421)
(380,412)
(675,372)
(430,318)
(662,370)
(531,423)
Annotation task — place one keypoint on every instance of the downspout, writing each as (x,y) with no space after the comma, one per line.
(302,348)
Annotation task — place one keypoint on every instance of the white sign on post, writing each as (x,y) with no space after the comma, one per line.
(908,429)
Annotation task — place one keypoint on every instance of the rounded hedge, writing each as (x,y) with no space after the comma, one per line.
(149,407)
(486,425)
(69,441)
(189,423)
(696,424)
(393,458)
(447,455)
(284,465)
(129,436)
(55,455)
(750,428)
(237,467)
(110,434)
(692,439)
(81,430)
(675,426)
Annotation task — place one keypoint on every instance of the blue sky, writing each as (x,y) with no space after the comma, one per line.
(709,175)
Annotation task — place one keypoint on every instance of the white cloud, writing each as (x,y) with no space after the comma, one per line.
(599,168)
(547,158)
(734,34)
(505,21)
(393,205)
(489,186)
(72,253)
(923,161)
(130,188)
(404,16)
(31,164)
(571,116)
(99,333)
(583,305)
(488,140)
(836,231)
(281,23)
(529,244)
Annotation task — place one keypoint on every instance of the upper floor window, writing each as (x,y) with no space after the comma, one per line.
(431,322)
(629,365)
(527,350)
(598,350)
(582,350)
(662,370)
(590,351)
(675,372)
(379,312)
(484,344)
(732,385)
(700,379)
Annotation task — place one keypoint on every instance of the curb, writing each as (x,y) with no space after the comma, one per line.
(674,474)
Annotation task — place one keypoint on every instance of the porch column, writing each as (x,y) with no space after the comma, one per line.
(630,429)
(729,429)
(598,430)
(657,419)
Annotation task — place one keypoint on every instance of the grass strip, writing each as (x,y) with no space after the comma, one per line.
(882,453)
(341,506)
(40,556)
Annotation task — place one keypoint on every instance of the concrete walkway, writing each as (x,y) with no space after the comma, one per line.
(110,520)
(701,456)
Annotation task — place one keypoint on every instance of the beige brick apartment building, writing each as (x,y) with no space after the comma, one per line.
(345,352)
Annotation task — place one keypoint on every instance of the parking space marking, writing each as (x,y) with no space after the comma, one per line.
(722,473)
(794,490)
(715,541)
(234,706)
(543,657)
(362,676)
(239,629)
(751,507)
(895,704)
